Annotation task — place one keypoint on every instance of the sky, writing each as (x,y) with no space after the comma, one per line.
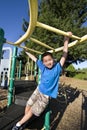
(12,13)
(81,65)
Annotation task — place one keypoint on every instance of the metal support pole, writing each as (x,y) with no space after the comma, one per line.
(20,66)
(31,69)
(35,72)
(17,71)
(39,72)
(12,76)
(47,118)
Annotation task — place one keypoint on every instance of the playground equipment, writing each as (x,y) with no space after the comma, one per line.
(2,40)
(18,70)
(32,24)
(29,68)
(20,66)
(5,68)
(35,72)
(10,91)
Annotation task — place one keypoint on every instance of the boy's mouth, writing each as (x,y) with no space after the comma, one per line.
(49,66)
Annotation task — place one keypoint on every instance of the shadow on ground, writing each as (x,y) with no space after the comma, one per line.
(84,111)
(58,106)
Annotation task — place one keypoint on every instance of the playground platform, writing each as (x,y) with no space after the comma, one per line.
(22,90)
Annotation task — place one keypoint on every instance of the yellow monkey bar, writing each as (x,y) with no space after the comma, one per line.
(83,39)
(56,30)
(40,43)
(33,19)
(33,23)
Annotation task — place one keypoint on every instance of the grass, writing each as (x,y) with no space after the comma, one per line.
(81,76)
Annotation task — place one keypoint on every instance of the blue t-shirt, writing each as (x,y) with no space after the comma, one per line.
(49,79)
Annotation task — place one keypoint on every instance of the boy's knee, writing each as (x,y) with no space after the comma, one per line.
(27,108)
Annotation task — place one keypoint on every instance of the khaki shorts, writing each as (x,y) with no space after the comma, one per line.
(38,102)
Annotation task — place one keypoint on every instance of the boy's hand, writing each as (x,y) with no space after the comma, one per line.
(65,49)
(27,53)
(31,56)
(66,37)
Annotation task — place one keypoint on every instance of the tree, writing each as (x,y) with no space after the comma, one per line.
(65,15)
(70,71)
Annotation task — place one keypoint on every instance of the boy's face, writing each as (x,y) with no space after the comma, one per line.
(48,61)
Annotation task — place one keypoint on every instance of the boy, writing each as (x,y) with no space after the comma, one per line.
(48,87)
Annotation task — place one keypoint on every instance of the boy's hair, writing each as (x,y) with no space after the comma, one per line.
(46,54)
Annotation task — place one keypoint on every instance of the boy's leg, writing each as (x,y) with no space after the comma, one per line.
(27,108)
(40,105)
(31,101)
(28,112)
(26,117)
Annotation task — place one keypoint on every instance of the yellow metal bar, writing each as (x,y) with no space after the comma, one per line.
(33,19)
(61,48)
(41,43)
(29,49)
(56,30)
(24,47)
(83,39)
(11,43)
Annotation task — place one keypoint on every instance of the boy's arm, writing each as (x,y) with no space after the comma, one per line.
(31,56)
(65,49)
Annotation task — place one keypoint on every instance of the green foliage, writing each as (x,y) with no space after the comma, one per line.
(65,15)
(22,56)
(70,70)
(84,70)
(81,74)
